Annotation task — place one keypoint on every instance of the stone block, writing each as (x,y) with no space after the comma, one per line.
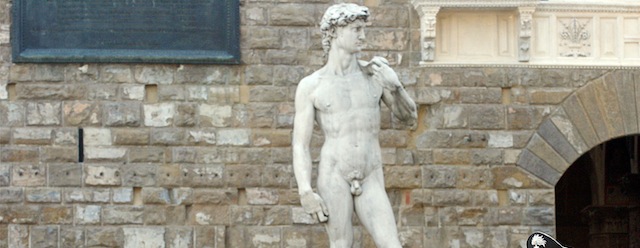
(486,157)
(20,214)
(57,214)
(72,237)
(43,114)
(504,216)
(48,73)
(223,94)
(268,94)
(168,137)
(86,195)
(144,237)
(541,198)
(43,195)
(292,15)
(123,195)
(115,73)
(132,92)
(197,93)
(44,236)
(19,154)
(451,156)
(262,38)
(481,95)
(548,95)
(183,155)
(261,115)
(226,196)
(211,236)
(5,174)
(278,216)
(108,92)
(169,175)
(154,74)
(105,154)
(122,215)
(104,175)
(130,137)
(50,154)
(300,216)
(207,215)
(146,155)
(184,196)
(277,175)
(215,115)
(28,175)
(524,117)
(155,196)
(122,114)
(159,115)
(243,176)
(451,197)
(439,177)
(51,92)
(12,114)
(488,117)
(104,237)
(139,175)
(186,115)
(403,176)
(11,195)
(87,214)
(539,216)
(474,178)
(97,136)
(178,237)
(21,73)
(171,93)
(247,215)
(32,136)
(67,174)
(202,137)
(284,118)
(5,135)
(610,108)
(388,40)
(209,175)
(65,137)
(18,236)
(296,237)
(262,196)
(234,137)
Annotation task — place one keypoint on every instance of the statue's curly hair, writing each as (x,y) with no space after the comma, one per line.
(339,15)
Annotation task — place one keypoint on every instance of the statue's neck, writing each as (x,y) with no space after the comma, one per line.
(340,62)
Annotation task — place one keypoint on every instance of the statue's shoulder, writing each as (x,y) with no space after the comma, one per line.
(311,81)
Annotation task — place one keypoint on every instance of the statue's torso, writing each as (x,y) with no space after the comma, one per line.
(348,112)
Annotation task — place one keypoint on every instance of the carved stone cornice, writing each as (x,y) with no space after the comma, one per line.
(474,3)
(611,6)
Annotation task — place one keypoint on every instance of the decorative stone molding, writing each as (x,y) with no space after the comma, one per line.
(553,32)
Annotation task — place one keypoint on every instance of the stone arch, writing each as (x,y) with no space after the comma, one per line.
(605,108)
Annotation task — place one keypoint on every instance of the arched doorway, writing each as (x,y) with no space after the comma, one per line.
(598,196)
(588,151)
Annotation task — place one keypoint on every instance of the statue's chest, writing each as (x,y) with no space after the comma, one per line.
(347,94)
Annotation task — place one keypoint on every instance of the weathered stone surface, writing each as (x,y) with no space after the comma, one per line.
(65,174)
(168,137)
(262,196)
(292,15)
(268,94)
(102,175)
(122,195)
(486,117)
(157,74)
(87,214)
(403,176)
(206,215)
(105,237)
(71,236)
(215,115)
(226,196)
(155,195)
(105,154)
(44,236)
(120,215)
(82,114)
(438,177)
(243,176)
(59,154)
(12,114)
(28,175)
(139,175)
(119,114)
(185,115)
(159,115)
(11,195)
(44,114)
(544,151)
(87,195)
(234,137)
(176,237)
(146,155)
(128,136)
(578,118)
(32,136)
(534,164)
(209,175)
(50,91)
(43,195)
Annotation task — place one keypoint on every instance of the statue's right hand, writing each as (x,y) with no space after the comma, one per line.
(314,205)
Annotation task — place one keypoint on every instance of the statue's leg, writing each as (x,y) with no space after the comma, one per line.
(375,212)
(335,192)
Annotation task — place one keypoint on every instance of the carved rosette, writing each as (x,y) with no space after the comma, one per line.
(575,38)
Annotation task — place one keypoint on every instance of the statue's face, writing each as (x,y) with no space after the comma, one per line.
(350,37)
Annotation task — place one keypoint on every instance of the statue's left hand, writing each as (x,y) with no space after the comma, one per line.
(314,205)
(383,74)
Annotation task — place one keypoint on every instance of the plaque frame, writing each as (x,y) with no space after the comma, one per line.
(25,52)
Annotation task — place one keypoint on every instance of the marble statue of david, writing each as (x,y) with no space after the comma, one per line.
(343,98)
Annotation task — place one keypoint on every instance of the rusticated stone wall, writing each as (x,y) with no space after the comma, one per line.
(199,155)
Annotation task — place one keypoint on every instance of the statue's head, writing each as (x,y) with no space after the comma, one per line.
(339,15)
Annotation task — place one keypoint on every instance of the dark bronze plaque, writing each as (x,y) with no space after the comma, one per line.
(136,31)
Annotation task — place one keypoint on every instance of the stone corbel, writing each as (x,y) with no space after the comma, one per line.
(524,39)
(428,31)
